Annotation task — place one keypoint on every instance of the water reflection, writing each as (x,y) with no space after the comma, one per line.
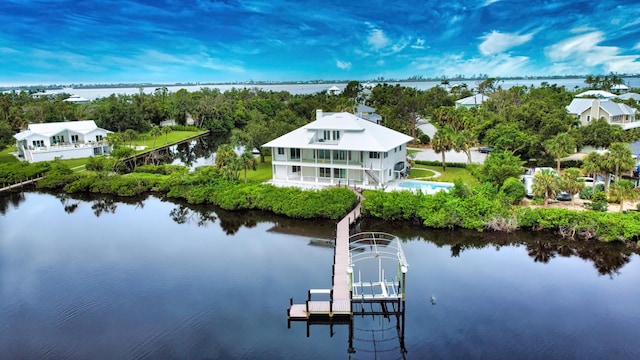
(607,258)
(10,199)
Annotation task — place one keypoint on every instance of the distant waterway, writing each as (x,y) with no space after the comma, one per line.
(309,88)
(86,277)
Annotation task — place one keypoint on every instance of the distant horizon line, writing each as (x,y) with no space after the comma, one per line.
(82,85)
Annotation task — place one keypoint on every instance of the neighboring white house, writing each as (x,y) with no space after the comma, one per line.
(596,94)
(339,148)
(472,101)
(588,110)
(629,95)
(66,140)
(334,90)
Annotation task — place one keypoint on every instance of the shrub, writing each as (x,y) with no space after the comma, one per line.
(513,191)
(439,163)
(599,202)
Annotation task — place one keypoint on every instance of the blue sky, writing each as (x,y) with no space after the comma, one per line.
(113,41)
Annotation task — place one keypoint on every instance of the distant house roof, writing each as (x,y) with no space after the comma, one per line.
(472,100)
(619,87)
(597,94)
(628,96)
(357,134)
(364,108)
(578,106)
(77,99)
(50,129)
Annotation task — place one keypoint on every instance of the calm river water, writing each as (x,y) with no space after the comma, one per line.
(99,278)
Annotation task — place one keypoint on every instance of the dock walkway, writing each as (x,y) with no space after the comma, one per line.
(20,184)
(339,302)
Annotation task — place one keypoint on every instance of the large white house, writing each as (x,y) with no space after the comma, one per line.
(339,148)
(615,113)
(65,140)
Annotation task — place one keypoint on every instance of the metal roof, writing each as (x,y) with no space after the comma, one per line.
(356,134)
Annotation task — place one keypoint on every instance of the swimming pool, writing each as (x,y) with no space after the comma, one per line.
(427,187)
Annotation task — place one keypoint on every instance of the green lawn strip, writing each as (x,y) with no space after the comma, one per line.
(449,175)
(412,151)
(420,172)
(262,173)
(148,141)
(6,156)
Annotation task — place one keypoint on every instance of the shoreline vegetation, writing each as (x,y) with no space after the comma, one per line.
(483,208)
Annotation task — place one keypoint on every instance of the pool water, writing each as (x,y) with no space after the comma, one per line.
(425,186)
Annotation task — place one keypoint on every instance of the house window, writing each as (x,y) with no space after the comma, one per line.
(326,135)
(374,155)
(588,118)
(74,139)
(295,154)
(280,151)
(58,139)
(386,154)
(324,154)
(295,169)
(99,137)
(340,155)
(38,143)
(325,172)
(336,135)
(340,173)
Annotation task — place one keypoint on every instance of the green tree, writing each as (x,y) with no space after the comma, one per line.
(591,166)
(166,130)
(130,135)
(545,184)
(442,142)
(248,162)
(463,142)
(623,190)
(501,165)
(569,181)
(621,157)
(559,147)
(155,132)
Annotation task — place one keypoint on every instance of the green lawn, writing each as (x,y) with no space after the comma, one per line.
(449,175)
(5,155)
(148,141)
(262,174)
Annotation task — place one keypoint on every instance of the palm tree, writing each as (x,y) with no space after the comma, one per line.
(114,139)
(560,146)
(154,133)
(624,190)
(464,141)
(621,157)
(130,135)
(591,166)
(545,183)
(569,181)
(166,130)
(442,142)
(248,162)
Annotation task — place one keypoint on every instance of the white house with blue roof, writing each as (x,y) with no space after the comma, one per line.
(339,149)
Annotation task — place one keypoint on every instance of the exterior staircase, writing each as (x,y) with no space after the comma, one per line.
(372,176)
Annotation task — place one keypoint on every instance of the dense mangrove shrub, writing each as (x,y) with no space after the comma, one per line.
(100,163)
(15,172)
(161,169)
(513,191)
(439,163)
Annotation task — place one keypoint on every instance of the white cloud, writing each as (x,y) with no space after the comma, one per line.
(489,2)
(344,65)
(497,42)
(497,65)
(377,39)
(419,44)
(637,47)
(584,54)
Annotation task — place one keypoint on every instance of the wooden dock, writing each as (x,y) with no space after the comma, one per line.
(20,184)
(339,302)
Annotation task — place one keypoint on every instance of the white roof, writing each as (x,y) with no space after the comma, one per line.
(597,93)
(334,88)
(620,87)
(578,106)
(473,100)
(357,134)
(628,96)
(50,129)
(76,99)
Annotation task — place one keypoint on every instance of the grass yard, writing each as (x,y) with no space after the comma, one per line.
(449,175)
(148,141)
(263,172)
(6,156)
